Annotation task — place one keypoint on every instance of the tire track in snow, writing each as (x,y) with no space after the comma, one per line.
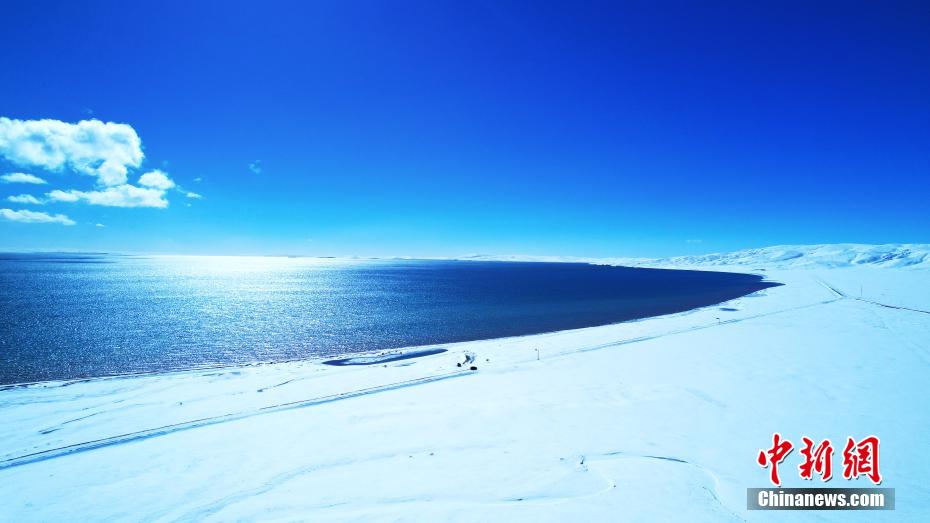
(897,307)
(110,441)
(843,295)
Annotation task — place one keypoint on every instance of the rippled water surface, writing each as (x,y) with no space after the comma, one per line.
(69,316)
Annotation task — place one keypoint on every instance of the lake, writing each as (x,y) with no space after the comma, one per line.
(66,316)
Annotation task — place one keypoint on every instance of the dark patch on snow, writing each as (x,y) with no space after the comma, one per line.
(384,358)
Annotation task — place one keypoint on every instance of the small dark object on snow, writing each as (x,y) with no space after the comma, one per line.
(473,368)
(459,364)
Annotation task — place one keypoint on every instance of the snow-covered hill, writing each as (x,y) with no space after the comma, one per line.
(899,255)
(818,256)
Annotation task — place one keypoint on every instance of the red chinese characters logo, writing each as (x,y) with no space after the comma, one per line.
(859,458)
(775,455)
(819,460)
(862,459)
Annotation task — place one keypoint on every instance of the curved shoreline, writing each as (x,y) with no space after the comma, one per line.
(319,359)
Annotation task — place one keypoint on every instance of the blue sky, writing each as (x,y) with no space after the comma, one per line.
(447,128)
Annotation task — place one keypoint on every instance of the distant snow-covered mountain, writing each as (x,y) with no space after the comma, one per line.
(830,255)
(899,255)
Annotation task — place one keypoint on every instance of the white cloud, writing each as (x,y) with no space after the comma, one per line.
(34,217)
(198,179)
(63,196)
(256,167)
(25,198)
(104,150)
(22,178)
(120,196)
(156,179)
(100,225)
(107,151)
(194,196)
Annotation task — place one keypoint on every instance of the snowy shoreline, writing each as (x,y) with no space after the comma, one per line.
(647,419)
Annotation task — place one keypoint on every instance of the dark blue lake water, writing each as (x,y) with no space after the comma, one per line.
(70,316)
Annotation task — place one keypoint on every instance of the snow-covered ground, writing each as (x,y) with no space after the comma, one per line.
(659,419)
